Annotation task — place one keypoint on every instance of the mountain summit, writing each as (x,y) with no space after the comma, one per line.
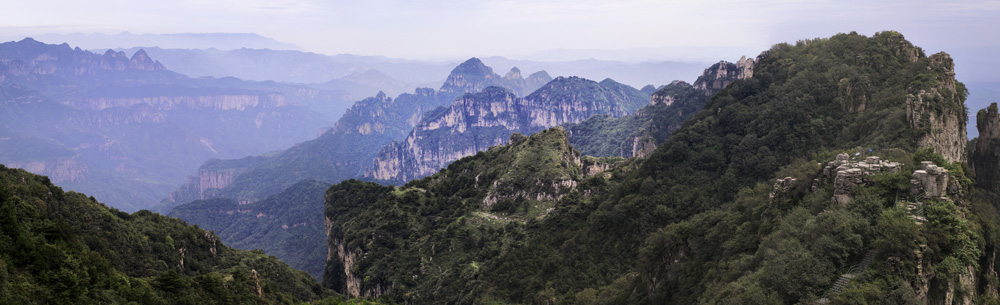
(474,76)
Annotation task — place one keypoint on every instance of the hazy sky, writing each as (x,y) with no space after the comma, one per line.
(440,29)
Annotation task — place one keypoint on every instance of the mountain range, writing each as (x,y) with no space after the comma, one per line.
(222,41)
(471,124)
(128,129)
(829,171)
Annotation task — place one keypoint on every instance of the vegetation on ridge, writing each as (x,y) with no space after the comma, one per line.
(65,248)
(694,222)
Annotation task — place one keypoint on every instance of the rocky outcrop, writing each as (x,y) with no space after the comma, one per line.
(781,186)
(643,145)
(201,186)
(930,180)
(663,97)
(71,169)
(940,112)
(592,166)
(847,175)
(723,73)
(984,151)
(346,282)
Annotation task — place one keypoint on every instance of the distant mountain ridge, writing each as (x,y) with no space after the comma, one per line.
(127,129)
(250,201)
(476,122)
(222,41)
(292,66)
(474,76)
(341,153)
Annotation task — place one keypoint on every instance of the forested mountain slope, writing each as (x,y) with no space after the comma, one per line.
(840,158)
(61,247)
(669,106)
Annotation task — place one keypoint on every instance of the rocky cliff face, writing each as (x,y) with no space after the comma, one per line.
(984,151)
(713,79)
(664,97)
(163,103)
(71,169)
(201,186)
(478,121)
(944,126)
(723,73)
(337,255)
(348,148)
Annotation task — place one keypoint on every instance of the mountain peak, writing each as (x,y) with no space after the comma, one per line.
(723,73)
(514,73)
(470,76)
(141,53)
(472,66)
(141,61)
(29,40)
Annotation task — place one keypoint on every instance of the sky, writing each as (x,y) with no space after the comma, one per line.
(452,29)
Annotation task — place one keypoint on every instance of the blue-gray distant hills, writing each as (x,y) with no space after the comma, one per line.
(221,41)
(317,69)
(128,129)
(349,147)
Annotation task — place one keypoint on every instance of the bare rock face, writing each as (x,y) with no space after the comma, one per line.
(201,186)
(723,73)
(58,170)
(781,186)
(930,180)
(945,127)
(643,145)
(476,122)
(984,151)
(848,175)
(660,98)
(899,45)
(853,93)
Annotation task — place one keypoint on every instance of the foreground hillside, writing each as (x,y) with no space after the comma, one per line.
(61,247)
(834,174)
